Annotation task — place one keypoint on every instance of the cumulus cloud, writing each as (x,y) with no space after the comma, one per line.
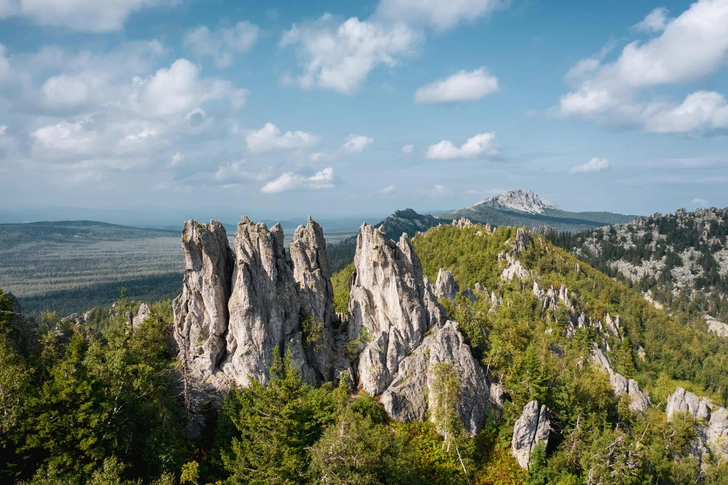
(438,13)
(593,165)
(690,47)
(3,129)
(270,138)
(5,68)
(706,110)
(461,86)
(176,159)
(222,44)
(293,181)
(700,202)
(656,21)
(356,143)
(388,189)
(339,56)
(407,149)
(178,90)
(80,15)
(480,145)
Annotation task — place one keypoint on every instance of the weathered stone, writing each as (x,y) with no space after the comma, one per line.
(515,270)
(716,327)
(446,286)
(392,306)
(201,311)
(711,423)
(530,430)
(141,315)
(312,274)
(407,398)
(639,400)
(263,307)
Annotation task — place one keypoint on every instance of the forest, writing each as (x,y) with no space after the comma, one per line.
(101,403)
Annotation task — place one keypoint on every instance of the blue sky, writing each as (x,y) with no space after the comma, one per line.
(335,108)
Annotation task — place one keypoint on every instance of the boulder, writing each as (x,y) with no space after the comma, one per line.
(639,400)
(711,422)
(531,429)
(141,315)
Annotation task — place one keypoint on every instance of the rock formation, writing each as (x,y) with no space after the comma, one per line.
(142,315)
(445,285)
(201,311)
(408,396)
(639,400)
(530,430)
(264,306)
(711,422)
(238,305)
(312,274)
(391,306)
(716,327)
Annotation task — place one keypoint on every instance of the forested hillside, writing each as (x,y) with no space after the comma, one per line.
(679,260)
(80,405)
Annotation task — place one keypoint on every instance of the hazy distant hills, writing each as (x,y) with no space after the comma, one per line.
(513,208)
(524,208)
(75,265)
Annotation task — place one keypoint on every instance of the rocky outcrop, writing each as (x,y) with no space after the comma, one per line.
(201,311)
(141,315)
(407,398)
(238,305)
(445,285)
(515,270)
(391,307)
(530,430)
(639,400)
(711,422)
(716,327)
(264,306)
(312,274)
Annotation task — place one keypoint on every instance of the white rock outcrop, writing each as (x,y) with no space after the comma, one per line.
(391,306)
(639,400)
(531,429)
(445,285)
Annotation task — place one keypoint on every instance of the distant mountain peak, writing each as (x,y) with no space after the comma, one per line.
(518,201)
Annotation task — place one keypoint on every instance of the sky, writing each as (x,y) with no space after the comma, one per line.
(338,108)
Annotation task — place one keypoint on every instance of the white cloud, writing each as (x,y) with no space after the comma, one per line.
(479,145)
(461,86)
(690,47)
(80,15)
(700,202)
(388,190)
(356,143)
(75,90)
(593,165)
(656,21)
(407,149)
(440,190)
(441,14)
(706,110)
(339,57)
(223,43)
(176,159)
(269,138)
(178,90)
(3,129)
(293,181)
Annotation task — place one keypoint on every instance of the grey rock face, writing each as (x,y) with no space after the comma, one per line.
(264,306)
(391,306)
(312,274)
(716,327)
(406,399)
(712,422)
(515,270)
(142,315)
(639,400)
(530,430)
(446,286)
(201,311)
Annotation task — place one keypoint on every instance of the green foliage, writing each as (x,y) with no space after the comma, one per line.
(313,331)
(340,282)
